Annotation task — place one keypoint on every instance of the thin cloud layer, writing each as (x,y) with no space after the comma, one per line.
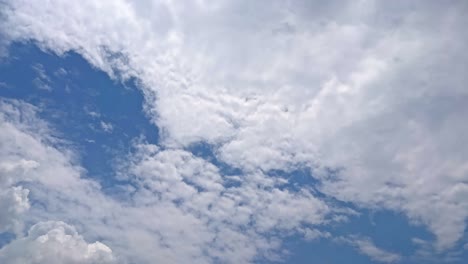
(374,92)
(367,247)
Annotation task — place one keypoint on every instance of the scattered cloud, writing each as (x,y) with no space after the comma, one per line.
(29,156)
(42,81)
(230,217)
(201,214)
(375,91)
(61,72)
(107,127)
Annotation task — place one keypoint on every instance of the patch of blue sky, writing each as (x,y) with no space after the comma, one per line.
(388,230)
(5,238)
(100,117)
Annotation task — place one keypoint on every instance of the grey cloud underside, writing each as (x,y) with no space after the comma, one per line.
(374,90)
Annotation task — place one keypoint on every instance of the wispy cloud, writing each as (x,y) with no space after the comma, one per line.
(368,248)
(107,127)
(42,81)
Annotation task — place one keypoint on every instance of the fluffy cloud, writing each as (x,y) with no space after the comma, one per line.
(13,203)
(54,242)
(172,207)
(30,155)
(230,218)
(374,91)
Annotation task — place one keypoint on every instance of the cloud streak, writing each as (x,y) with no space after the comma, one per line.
(367,247)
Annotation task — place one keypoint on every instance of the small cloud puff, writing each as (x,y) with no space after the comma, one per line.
(107,127)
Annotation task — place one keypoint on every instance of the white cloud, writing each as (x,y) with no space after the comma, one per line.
(374,89)
(61,72)
(54,242)
(230,218)
(107,127)
(13,203)
(28,151)
(175,207)
(367,247)
(32,156)
(42,81)
(91,113)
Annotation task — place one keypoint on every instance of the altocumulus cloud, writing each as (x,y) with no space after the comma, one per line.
(374,90)
(177,208)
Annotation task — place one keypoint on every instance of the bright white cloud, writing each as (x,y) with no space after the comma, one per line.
(54,243)
(374,89)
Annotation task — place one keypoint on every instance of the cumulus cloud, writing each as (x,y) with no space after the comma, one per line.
(227,218)
(13,203)
(54,242)
(373,90)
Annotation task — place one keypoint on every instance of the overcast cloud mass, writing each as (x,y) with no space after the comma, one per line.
(367,99)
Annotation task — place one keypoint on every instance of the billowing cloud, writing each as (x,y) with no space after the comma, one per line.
(55,243)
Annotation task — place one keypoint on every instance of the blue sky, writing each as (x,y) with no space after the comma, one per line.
(79,99)
(154,132)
